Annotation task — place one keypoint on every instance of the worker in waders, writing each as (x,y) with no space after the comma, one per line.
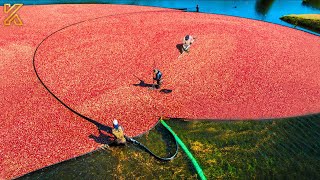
(157,76)
(118,133)
(186,43)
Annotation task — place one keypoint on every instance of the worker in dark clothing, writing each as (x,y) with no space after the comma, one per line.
(197,8)
(157,75)
(118,133)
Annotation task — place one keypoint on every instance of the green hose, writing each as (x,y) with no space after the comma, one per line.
(184,147)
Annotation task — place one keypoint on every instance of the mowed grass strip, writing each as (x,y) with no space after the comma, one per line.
(308,21)
(286,148)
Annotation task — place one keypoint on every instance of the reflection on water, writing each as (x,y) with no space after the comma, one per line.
(312,3)
(263,6)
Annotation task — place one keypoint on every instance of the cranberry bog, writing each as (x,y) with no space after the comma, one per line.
(68,70)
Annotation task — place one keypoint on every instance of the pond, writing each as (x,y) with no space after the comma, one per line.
(264,10)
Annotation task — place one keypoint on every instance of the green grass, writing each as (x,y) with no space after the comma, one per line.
(254,149)
(271,149)
(308,21)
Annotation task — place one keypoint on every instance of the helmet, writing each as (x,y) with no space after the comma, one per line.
(115,124)
(155,70)
(187,37)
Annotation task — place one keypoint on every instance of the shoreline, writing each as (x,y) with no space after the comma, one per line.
(308,21)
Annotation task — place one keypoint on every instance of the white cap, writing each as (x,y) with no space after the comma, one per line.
(115,122)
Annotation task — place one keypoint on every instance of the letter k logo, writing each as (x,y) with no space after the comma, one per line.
(13,16)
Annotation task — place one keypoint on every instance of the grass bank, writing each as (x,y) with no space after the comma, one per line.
(308,21)
(281,149)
